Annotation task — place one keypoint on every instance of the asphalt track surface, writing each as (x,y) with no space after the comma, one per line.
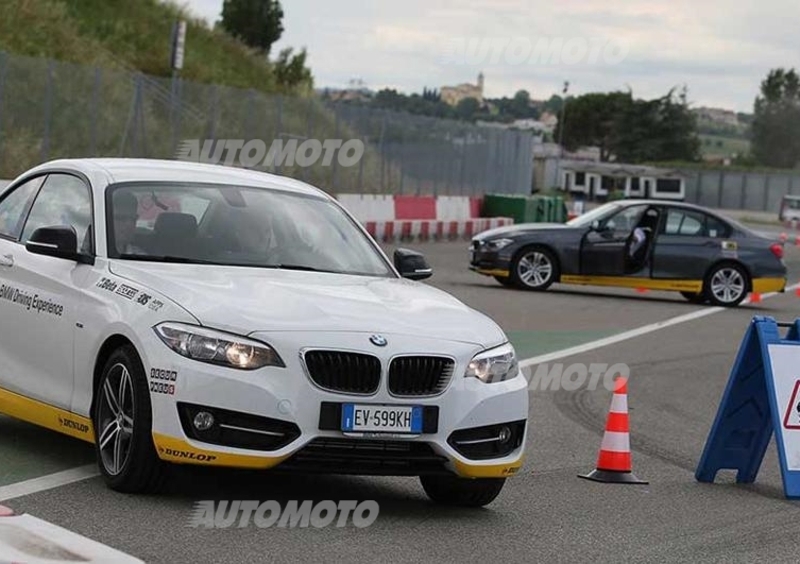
(544,514)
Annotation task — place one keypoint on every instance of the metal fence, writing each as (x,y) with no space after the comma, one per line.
(740,190)
(51,109)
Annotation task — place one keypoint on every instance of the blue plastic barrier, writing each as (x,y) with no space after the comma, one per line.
(762,395)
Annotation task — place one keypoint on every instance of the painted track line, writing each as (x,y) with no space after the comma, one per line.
(638,332)
(48,482)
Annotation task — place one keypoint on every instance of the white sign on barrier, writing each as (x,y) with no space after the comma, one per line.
(785,361)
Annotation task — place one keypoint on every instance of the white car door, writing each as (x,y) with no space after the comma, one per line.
(14,206)
(38,338)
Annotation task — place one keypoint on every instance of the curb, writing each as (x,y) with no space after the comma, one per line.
(432,230)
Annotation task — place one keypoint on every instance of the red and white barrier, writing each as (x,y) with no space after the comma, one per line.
(373,207)
(432,230)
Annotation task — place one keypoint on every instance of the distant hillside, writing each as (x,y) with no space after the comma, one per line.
(129,34)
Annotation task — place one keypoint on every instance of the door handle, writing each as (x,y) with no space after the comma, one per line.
(7,260)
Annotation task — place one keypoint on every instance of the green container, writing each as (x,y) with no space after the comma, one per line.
(525,209)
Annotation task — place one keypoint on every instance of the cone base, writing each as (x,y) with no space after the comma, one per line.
(612,477)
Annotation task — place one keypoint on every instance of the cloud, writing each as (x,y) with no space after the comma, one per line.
(721,49)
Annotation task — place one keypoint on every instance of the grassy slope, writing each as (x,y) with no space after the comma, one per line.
(127,34)
(135,35)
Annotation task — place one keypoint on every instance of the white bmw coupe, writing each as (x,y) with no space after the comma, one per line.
(172,312)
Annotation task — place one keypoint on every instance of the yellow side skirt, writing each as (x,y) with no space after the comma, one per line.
(628,282)
(47,416)
(493,272)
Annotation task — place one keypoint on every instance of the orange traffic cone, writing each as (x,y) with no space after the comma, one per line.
(797,292)
(614,460)
(755,298)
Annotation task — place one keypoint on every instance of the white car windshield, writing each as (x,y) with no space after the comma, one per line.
(236,226)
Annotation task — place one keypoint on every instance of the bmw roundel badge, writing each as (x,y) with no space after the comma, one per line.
(378,340)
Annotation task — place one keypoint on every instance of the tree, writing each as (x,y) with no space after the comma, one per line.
(776,123)
(632,130)
(592,120)
(291,72)
(467,108)
(520,104)
(256,23)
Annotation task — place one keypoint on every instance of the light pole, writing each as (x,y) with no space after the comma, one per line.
(561,123)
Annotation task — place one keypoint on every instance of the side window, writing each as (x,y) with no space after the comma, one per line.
(715,228)
(681,222)
(63,200)
(14,206)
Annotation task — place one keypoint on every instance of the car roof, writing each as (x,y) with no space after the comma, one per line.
(670,203)
(161,170)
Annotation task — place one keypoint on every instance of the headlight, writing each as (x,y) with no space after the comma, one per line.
(498,244)
(216,347)
(495,365)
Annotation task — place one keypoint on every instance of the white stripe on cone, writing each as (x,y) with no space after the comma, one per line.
(619,403)
(616,442)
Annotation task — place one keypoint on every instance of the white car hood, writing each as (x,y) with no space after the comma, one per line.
(248,300)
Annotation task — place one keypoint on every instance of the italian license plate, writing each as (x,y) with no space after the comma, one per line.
(381,418)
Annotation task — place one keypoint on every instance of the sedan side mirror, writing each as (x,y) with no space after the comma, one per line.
(412,265)
(59,241)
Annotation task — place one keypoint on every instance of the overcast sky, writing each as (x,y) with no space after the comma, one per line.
(719,49)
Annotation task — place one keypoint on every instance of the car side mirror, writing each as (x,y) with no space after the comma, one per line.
(596,225)
(412,265)
(59,241)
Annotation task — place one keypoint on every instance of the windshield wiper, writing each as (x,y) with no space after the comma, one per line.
(296,267)
(155,258)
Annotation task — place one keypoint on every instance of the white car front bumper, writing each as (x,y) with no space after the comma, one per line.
(297,422)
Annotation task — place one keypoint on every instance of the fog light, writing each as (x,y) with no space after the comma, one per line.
(505,434)
(203,421)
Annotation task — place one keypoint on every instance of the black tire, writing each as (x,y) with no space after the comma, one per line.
(137,469)
(528,269)
(505,281)
(462,492)
(695,297)
(738,284)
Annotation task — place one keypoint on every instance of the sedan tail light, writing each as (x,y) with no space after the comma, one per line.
(777,250)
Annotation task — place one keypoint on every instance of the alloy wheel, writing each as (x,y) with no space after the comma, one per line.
(115,421)
(728,285)
(535,269)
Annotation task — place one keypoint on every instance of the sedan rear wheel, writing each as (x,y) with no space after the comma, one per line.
(534,268)
(726,285)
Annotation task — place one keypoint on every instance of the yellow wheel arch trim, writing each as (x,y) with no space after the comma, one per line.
(47,416)
(171,449)
(505,470)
